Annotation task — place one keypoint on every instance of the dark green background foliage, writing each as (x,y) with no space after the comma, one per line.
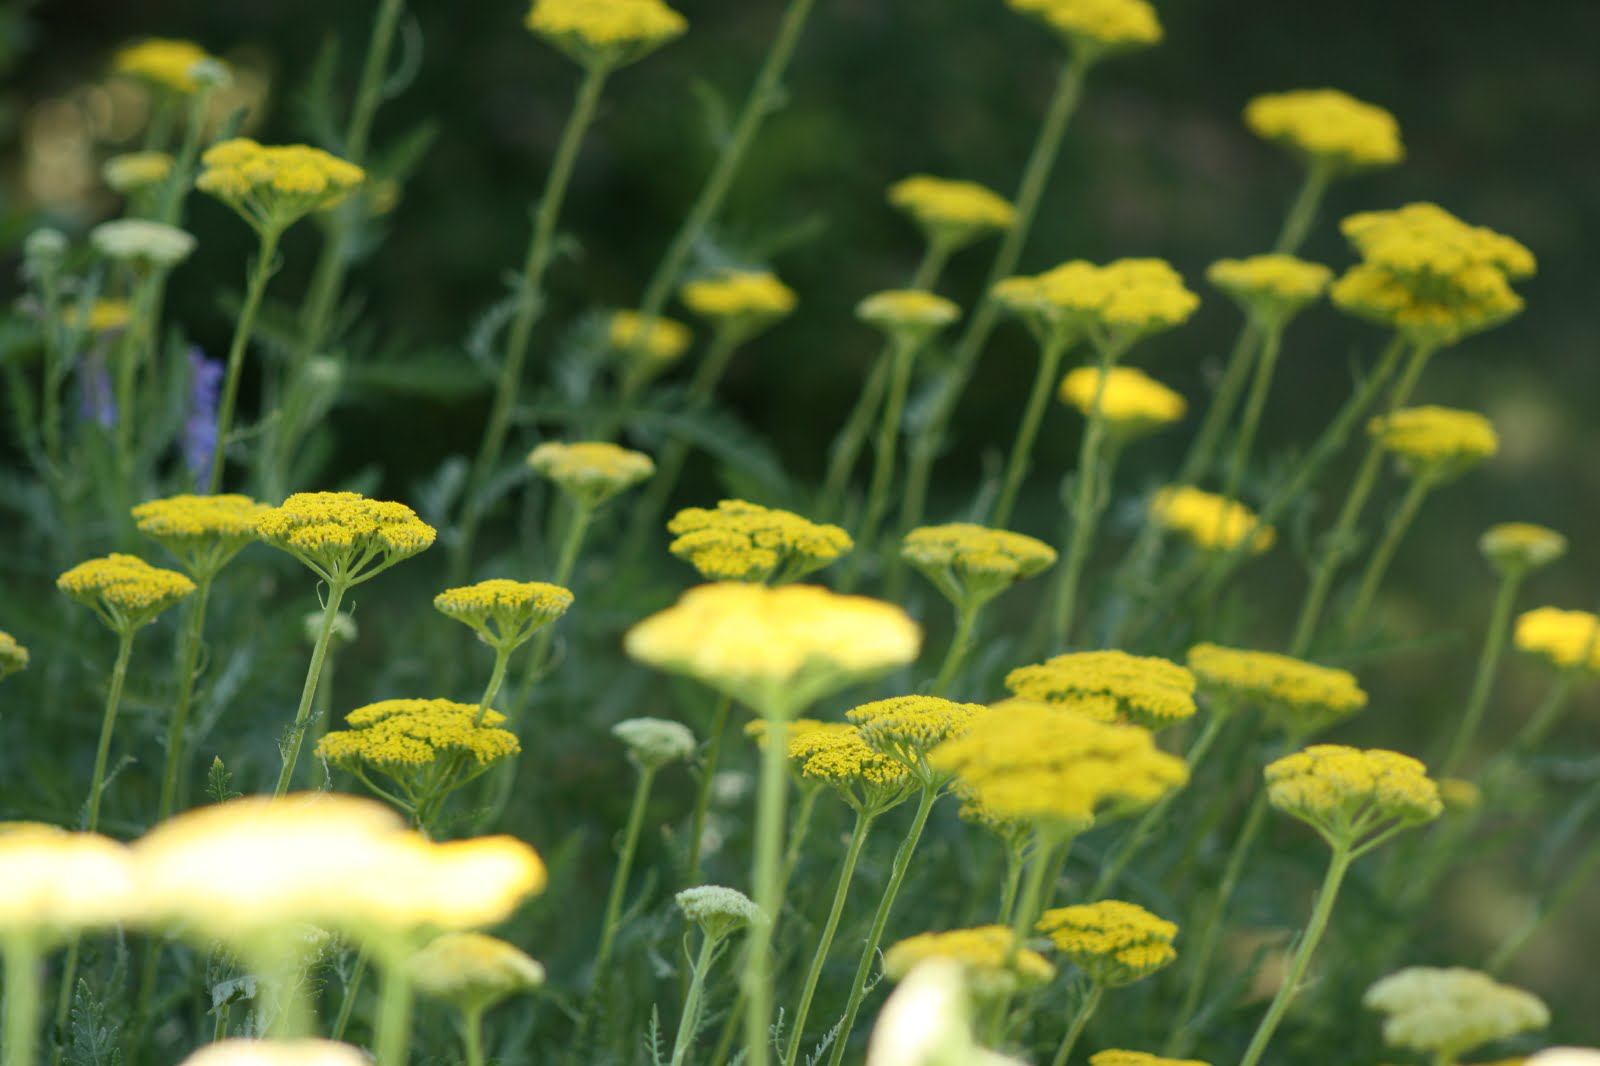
(1497,103)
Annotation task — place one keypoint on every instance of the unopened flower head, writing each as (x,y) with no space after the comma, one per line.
(972,564)
(505,613)
(13,656)
(909,316)
(995,965)
(1149,691)
(1521,547)
(1436,443)
(132,172)
(1270,287)
(1299,697)
(1115,943)
(403,738)
(605,33)
(1121,1057)
(473,971)
(776,649)
(591,472)
(718,910)
(951,214)
(834,754)
(1347,794)
(1327,128)
(1566,639)
(345,537)
(649,351)
(203,532)
(739,300)
(142,242)
(57,882)
(43,251)
(273,187)
(654,742)
(1131,402)
(907,728)
(1210,522)
(249,1052)
(179,66)
(1448,1011)
(741,541)
(1097,27)
(124,590)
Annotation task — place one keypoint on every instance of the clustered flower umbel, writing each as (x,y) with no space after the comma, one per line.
(1567,639)
(591,472)
(1270,287)
(744,300)
(1327,128)
(504,613)
(1113,305)
(1092,28)
(1130,401)
(1114,942)
(972,564)
(1144,690)
(1209,521)
(174,65)
(648,350)
(271,188)
(1436,443)
(1448,1011)
(951,214)
(1299,697)
(402,736)
(124,590)
(1350,796)
(1521,547)
(203,532)
(605,33)
(993,963)
(345,537)
(740,541)
(13,656)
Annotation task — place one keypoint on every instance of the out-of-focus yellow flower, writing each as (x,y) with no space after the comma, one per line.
(652,351)
(1097,27)
(591,472)
(203,532)
(124,590)
(776,649)
(246,1052)
(271,188)
(1302,698)
(1114,304)
(505,613)
(1271,287)
(1459,795)
(1115,943)
(1148,691)
(1435,442)
(741,541)
(1564,638)
(57,883)
(740,300)
(1521,546)
(1131,402)
(13,656)
(473,971)
(168,64)
(345,537)
(1448,1011)
(403,738)
(995,965)
(1346,793)
(1121,1057)
(909,315)
(101,316)
(1209,521)
(951,214)
(607,33)
(1327,127)
(972,564)
(133,171)
(907,728)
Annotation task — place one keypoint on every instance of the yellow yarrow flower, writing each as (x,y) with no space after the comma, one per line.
(606,33)
(101,316)
(951,214)
(505,613)
(1121,1057)
(1209,521)
(473,971)
(1328,128)
(1114,304)
(1448,1011)
(124,590)
(1437,443)
(1459,795)
(663,344)
(1564,638)
(271,188)
(591,472)
(401,736)
(1347,794)
(906,728)
(740,300)
(834,753)
(910,316)
(1115,943)
(204,532)
(57,883)
(972,564)
(13,656)
(776,649)
(1271,287)
(1521,546)
(133,171)
(1302,698)
(742,541)
(993,963)
(168,64)
(345,537)
(1131,402)
(1148,691)
(1097,27)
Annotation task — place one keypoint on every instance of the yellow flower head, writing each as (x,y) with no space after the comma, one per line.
(911,316)
(273,187)
(1347,794)
(1131,402)
(1327,127)
(204,532)
(907,728)
(133,171)
(1148,691)
(607,33)
(993,963)
(1301,698)
(1115,943)
(13,656)
(345,537)
(834,753)
(1097,27)
(972,564)
(1565,638)
(1209,521)
(1459,795)
(1520,547)
(1436,443)
(1445,1012)
(254,1052)
(951,214)
(505,613)
(1120,1057)
(101,316)
(740,300)
(167,64)
(1056,768)
(1270,287)
(776,649)
(741,541)
(124,590)
(651,351)
(591,472)
(473,971)
(57,883)
(402,738)
(1116,304)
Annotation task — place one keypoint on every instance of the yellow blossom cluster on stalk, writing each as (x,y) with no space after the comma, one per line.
(1094,27)
(742,541)
(1566,639)
(179,66)
(906,728)
(1272,286)
(1209,521)
(504,612)
(835,753)
(1300,697)
(1346,793)
(590,471)
(605,32)
(13,656)
(1123,1057)
(1327,127)
(133,171)
(474,971)
(1114,942)
(746,297)
(1446,1011)
(400,735)
(993,963)
(663,344)
(970,563)
(344,536)
(1114,304)
(1149,691)
(913,313)
(101,316)
(273,187)
(1521,546)
(204,532)
(124,590)
(1131,401)
(1435,442)
(951,213)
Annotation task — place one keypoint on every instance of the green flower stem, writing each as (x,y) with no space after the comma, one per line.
(1044,384)
(393,1038)
(1303,211)
(1049,856)
(1339,541)
(894,406)
(188,661)
(444,779)
(708,772)
(1378,564)
(1136,838)
(169,208)
(1290,986)
(1494,642)
(529,304)
(869,954)
(119,675)
(858,837)
(130,350)
(566,563)
(1086,1009)
(256,288)
(1576,880)
(352,990)
(20,1034)
(689,1023)
(319,652)
(53,373)
(619,880)
(1539,724)
(1046,146)
(767,877)
(1091,492)
(960,646)
(472,1036)
(282,1012)
(1255,403)
(1011,884)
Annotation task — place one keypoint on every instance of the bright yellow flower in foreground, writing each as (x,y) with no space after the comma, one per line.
(1272,286)
(402,737)
(204,532)
(1328,127)
(168,63)
(1521,546)
(1148,691)
(344,536)
(912,314)
(605,32)
(247,1052)
(993,967)
(1120,1057)
(1435,442)
(473,971)
(1301,697)
(56,882)
(506,613)
(951,213)
(1448,1011)
(590,471)
(1565,638)
(13,656)
(1115,943)
(972,564)
(124,590)
(273,187)
(776,649)
(1131,401)
(133,171)
(748,298)
(1097,26)
(742,541)
(1346,793)
(1209,521)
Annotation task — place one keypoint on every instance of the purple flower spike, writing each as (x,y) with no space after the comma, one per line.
(200,425)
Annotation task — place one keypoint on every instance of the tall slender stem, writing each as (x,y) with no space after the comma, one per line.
(689,1022)
(1255,403)
(619,880)
(1044,383)
(319,651)
(1383,554)
(130,350)
(1303,211)
(1088,501)
(960,646)
(472,1036)
(708,772)
(20,1035)
(1494,642)
(1049,855)
(1539,724)
(188,661)
(1573,883)
(108,721)
(255,289)
(352,989)
(1085,1011)
(393,1037)
(883,466)
(169,207)
(767,877)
